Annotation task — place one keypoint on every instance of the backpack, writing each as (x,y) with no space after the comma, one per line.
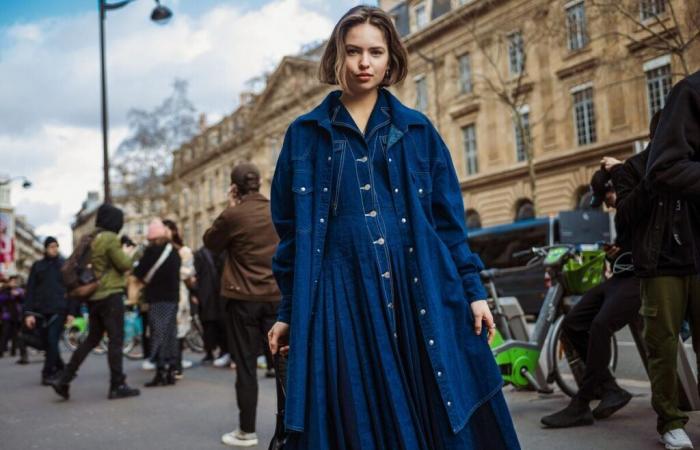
(79,277)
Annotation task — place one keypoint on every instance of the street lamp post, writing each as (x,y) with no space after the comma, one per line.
(161,15)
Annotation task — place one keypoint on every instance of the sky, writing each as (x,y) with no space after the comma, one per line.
(50,128)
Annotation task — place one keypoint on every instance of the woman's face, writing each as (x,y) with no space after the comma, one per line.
(366,58)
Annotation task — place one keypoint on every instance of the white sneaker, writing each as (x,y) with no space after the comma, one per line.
(676,440)
(223,360)
(186,364)
(148,365)
(240,439)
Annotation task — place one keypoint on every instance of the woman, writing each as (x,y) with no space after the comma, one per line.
(382,297)
(187,277)
(159,269)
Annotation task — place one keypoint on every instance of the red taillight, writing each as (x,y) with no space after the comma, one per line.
(547,280)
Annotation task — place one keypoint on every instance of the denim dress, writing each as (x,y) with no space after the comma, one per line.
(371,384)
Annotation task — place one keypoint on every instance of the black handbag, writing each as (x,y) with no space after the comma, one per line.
(280,437)
(35,337)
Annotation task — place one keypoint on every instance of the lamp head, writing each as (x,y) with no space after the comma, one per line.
(161,15)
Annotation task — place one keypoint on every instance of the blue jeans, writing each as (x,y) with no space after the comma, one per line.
(52,335)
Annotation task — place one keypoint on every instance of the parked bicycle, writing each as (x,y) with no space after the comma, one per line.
(571,270)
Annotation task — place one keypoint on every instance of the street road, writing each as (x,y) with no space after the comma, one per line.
(193,414)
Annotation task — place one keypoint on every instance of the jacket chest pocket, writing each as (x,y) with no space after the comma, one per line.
(302,188)
(423,187)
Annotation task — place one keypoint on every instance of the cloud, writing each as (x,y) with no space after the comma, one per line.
(49,85)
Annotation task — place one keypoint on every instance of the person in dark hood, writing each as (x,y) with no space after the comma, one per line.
(110,261)
(669,252)
(46,306)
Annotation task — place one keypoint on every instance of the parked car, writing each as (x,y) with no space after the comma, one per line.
(496,246)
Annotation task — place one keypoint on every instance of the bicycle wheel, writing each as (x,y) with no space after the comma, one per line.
(72,337)
(566,365)
(194,338)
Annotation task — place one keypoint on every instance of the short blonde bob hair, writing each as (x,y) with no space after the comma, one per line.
(332,67)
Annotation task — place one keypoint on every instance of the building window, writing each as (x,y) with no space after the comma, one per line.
(465,73)
(649,9)
(522,135)
(421,94)
(524,209)
(420,14)
(584,115)
(470,156)
(516,53)
(473,219)
(658,84)
(576,26)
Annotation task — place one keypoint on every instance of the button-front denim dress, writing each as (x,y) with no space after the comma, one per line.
(371,384)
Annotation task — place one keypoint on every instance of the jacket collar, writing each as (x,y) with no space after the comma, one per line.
(402,117)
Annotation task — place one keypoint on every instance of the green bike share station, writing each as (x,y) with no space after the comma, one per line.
(535,360)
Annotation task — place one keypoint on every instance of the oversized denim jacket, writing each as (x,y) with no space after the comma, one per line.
(432,212)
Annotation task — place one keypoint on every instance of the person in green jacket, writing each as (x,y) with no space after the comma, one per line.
(106,306)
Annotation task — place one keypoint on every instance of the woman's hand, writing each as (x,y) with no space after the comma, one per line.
(609,162)
(278,338)
(482,313)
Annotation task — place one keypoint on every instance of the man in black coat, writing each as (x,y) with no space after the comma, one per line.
(670,251)
(46,306)
(208,267)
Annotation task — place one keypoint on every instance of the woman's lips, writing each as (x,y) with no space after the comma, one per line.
(364,76)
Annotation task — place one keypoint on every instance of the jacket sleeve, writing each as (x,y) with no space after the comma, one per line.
(120,260)
(673,166)
(633,196)
(149,257)
(30,295)
(217,237)
(448,214)
(282,206)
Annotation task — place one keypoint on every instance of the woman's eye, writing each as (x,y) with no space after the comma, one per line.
(352,52)
(377,53)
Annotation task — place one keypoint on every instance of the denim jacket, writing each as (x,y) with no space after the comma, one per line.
(432,211)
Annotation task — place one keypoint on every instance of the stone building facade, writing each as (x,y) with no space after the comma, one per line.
(524,92)
(584,76)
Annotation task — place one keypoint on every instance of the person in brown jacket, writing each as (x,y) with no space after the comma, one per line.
(245,231)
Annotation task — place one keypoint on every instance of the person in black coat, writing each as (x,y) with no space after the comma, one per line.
(47,307)
(208,267)
(11,299)
(671,251)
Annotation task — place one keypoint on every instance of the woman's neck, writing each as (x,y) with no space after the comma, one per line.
(360,106)
(359,103)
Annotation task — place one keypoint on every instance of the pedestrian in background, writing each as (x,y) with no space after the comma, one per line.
(382,297)
(159,270)
(105,307)
(47,308)
(187,279)
(671,252)
(245,232)
(11,299)
(208,267)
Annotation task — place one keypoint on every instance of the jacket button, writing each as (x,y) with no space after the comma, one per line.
(449,403)
(403,220)
(661,203)
(410,249)
(322,220)
(431,342)
(325,189)
(415,279)
(420,191)
(396,190)
(422,312)
(302,189)
(439,374)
